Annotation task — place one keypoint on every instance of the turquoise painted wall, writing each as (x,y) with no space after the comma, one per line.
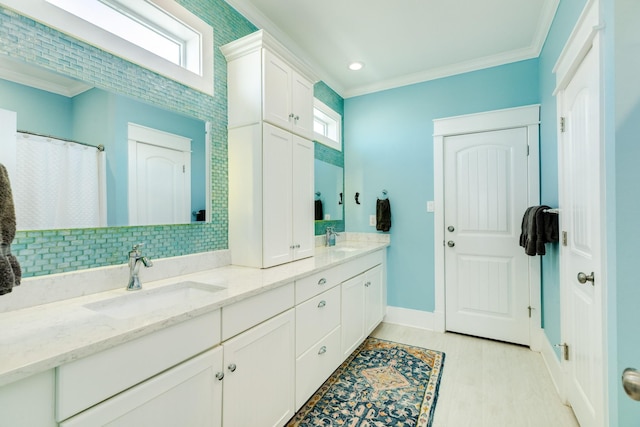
(563,23)
(389,145)
(622,127)
(38,111)
(46,252)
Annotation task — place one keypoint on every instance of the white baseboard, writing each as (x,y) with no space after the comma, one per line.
(553,364)
(409,317)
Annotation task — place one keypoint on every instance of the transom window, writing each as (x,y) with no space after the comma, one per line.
(327,125)
(160,35)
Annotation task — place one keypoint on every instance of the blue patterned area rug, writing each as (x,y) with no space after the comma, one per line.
(381,384)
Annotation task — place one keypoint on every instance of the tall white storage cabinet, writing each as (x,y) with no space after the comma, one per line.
(270,105)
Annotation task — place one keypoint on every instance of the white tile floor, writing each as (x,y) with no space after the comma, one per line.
(487,383)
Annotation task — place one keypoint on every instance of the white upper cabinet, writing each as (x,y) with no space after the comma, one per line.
(270,105)
(266,82)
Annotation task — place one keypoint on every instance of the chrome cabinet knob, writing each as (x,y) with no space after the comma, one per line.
(322,350)
(322,304)
(631,383)
(322,281)
(451,228)
(583,278)
(219,376)
(451,243)
(232,367)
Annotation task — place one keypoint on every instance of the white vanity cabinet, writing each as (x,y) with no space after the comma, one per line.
(29,402)
(271,155)
(259,344)
(363,305)
(266,82)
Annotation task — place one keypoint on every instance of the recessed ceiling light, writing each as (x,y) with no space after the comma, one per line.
(355,66)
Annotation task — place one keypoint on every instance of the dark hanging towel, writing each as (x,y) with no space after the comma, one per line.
(383,215)
(538,227)
(319,211)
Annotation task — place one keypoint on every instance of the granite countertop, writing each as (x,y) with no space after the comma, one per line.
(43,337)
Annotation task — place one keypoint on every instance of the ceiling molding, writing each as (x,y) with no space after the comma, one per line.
(448,71)
(532,51)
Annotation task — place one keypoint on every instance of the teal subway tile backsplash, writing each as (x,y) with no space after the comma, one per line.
(57,251)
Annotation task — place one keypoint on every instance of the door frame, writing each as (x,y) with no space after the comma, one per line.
(526,116)
(586,37)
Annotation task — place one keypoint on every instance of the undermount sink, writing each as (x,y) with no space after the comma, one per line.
(144,302)
(344,249)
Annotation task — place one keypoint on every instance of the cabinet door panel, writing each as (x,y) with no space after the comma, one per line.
(276,96)
(187,395)
(302,106)
(374,303)
(303,205)
(260,389)
(277,200)
(353,332)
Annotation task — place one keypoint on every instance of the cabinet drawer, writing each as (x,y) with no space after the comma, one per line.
(316,317)
(316,365)
(90,380)
(310,286)
(360,265)
(247,313)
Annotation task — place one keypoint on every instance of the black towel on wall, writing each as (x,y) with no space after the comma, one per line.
(319,211)
(383,215)
(538,228)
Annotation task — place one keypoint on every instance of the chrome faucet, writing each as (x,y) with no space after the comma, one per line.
(330,237)
(135,258)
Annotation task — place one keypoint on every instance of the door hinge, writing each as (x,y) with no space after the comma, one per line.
(564,238)
(529,308)
(528,150)
(562,124)
(564,349)
(184,169)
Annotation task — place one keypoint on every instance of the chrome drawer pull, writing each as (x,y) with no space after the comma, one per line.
(232,367)
(322,304)
(322,281)
(322,350)
(219,376)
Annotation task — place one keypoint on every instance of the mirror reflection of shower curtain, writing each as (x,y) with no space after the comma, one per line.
(59,184)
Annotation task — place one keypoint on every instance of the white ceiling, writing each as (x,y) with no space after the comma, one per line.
(403,41)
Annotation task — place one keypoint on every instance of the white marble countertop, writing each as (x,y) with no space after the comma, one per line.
(43,337)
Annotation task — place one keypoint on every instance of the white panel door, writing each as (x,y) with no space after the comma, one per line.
(259,383)
(162,186)
(580,218)
(276,95)
(487,286)
(353,314)
(374,298)
(302,198)
(276,196)
(302,106)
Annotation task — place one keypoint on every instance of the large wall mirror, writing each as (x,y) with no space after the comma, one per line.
(154,168)
(329,191)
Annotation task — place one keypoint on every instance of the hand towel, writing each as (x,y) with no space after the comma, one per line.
(538,228)
(319,211)
(10,272)
(383,215)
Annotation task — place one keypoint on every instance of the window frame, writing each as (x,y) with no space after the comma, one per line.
(68,23)
(336,119)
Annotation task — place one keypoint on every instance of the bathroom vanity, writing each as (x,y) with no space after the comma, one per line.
(231,337)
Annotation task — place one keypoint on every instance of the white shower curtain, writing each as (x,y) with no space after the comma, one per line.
(59,184)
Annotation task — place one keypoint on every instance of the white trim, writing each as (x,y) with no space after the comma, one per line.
(579,43)
(63,21)
(409,317)
(527,116)
(554,367)
(158,137)
(337,118)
